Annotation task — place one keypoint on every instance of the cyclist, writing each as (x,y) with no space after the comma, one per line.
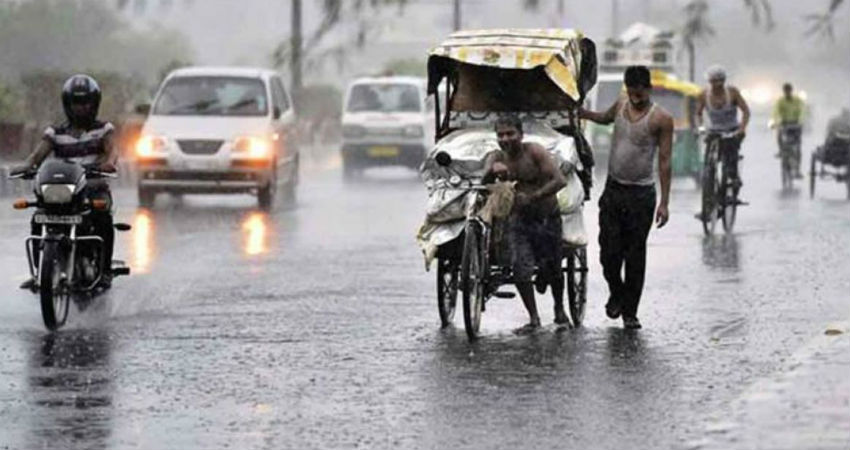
(789,111)
(721,103)
(89,141)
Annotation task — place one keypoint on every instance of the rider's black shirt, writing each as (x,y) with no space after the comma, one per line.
(87,146)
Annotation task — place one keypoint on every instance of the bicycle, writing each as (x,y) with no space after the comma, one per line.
(719,184)
(789,149)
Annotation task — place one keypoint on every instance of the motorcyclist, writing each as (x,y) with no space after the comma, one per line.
(789,110)
(86,140)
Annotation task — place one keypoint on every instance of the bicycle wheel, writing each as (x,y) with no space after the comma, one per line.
(708,215)
(54,291)
(447,279)
(577,284)
(785,168)
(472,279)
(812,177)
(729,201)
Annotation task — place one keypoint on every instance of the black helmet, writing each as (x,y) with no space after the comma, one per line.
(81,89)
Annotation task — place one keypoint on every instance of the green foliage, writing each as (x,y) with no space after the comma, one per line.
(10,103)
(82,34)
(42,95)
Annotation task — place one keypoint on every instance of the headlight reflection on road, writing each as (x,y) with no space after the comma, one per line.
(256,237)
(142,241)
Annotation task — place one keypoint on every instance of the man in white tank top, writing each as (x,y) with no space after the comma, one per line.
(642,129)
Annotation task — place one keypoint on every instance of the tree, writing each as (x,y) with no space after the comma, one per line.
(298,52)
(695,28)
(80,35)
(821,24)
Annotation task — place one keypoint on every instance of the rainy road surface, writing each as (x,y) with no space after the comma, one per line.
(315,327)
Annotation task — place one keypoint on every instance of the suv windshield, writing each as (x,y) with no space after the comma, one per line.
(384,98)
(212,96)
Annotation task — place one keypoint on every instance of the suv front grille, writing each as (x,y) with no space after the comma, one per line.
(199,147)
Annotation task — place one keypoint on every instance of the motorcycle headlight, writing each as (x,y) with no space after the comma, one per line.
(57,193)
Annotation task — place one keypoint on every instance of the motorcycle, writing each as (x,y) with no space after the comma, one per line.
(65,256)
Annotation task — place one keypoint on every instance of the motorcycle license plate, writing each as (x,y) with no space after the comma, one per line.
(58,220)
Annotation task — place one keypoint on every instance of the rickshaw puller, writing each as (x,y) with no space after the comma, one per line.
(534,227)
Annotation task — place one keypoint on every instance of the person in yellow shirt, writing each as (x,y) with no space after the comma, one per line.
(789,111)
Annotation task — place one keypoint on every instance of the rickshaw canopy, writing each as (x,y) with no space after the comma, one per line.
(514,69)
(664,80)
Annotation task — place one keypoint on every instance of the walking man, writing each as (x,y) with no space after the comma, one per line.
(641,129)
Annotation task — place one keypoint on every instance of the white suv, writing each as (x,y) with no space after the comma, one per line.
(219,130)
(385,121)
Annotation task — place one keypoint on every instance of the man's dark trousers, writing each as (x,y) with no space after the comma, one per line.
(625,218)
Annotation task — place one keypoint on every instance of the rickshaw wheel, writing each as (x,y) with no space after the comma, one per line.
(447,287)
(472,280)
(577,284)
(812,176)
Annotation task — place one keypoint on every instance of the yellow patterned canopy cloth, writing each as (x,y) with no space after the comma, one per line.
(557,51)
(664,80)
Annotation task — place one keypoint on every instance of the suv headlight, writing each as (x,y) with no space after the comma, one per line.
(58,193)
(252,147)
(150,147)
(413,131)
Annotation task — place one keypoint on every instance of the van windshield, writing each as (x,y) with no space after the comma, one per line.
(609,93)
(212,96)
(384,98)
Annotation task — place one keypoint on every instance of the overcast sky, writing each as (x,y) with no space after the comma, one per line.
(246,31)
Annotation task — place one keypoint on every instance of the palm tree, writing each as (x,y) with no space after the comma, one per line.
(334,12)
(696,27)
(821,24)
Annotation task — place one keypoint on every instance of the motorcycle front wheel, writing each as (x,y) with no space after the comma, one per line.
(53,286)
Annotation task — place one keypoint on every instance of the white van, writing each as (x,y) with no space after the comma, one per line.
(219,130)
(385,121)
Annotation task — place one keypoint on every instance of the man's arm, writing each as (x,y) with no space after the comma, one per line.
(555,179)
(700,108)
(492,170)
(602,118)
(745,109)
(665,154)
(106,161)
(42,151)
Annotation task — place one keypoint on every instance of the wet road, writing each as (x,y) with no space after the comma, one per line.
(315,327)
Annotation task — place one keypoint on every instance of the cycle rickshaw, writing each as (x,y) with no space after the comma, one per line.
(831,160)
(542,76)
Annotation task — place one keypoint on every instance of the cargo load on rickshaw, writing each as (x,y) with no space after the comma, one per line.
(542,77)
